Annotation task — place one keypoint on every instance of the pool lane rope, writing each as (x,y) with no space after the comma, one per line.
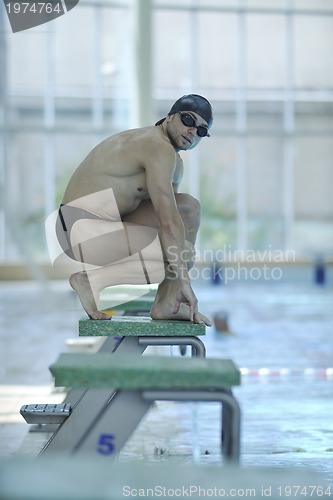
(325,373)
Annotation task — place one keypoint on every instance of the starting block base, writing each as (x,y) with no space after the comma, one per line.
(118,391)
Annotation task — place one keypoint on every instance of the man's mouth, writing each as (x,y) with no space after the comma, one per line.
(187,139)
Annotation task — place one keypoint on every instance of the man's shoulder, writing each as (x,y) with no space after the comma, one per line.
(144,134)
(144,146)
(151,141)
(152,134)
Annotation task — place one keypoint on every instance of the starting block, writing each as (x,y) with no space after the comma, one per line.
(138,332)
(102,423)
(135,334)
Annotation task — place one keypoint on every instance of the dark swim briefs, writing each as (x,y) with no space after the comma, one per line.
(67,217)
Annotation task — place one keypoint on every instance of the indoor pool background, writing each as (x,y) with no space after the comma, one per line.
(281,338)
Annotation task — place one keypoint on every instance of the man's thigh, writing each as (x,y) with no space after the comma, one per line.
(100,242)
(145,213)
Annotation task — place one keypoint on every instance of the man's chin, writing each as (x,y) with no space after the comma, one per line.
(185,145)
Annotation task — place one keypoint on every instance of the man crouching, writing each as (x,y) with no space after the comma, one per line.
(122,212)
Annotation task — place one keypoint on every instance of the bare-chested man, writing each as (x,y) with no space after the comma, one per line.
(122,212)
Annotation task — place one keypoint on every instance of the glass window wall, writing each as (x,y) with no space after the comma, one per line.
(264,176)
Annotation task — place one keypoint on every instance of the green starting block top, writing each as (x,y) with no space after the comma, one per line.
(122,371)
(123,326)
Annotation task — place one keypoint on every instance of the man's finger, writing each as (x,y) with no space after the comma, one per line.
(197,318)
(191,314)
(176,307)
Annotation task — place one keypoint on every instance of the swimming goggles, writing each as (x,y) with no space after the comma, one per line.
(189,121)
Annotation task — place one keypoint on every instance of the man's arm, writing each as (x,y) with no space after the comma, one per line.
(159,176)
(178,174)
(160,168)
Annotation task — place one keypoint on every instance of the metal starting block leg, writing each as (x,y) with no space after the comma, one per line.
(198,347)
(113,427)
(83,417)
(231,414)
(106,432)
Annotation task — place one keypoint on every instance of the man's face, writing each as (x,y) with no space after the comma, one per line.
(184,129)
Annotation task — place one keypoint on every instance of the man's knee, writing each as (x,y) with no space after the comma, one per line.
(189,210)
(188,205)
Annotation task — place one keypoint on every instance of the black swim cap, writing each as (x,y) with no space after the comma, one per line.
(195,103)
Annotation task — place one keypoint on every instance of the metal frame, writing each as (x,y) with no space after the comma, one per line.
(138,344)
(231,415)
(103,420)
(95,412)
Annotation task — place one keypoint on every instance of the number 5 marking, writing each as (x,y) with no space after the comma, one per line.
(106,444)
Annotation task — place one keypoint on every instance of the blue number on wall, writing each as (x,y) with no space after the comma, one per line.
(106,444)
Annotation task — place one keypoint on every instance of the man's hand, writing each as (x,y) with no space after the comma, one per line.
(185,295)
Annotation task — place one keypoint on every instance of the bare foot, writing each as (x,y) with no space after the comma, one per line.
(81,284)
(164,305)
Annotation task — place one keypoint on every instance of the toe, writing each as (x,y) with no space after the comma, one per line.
(100,315)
